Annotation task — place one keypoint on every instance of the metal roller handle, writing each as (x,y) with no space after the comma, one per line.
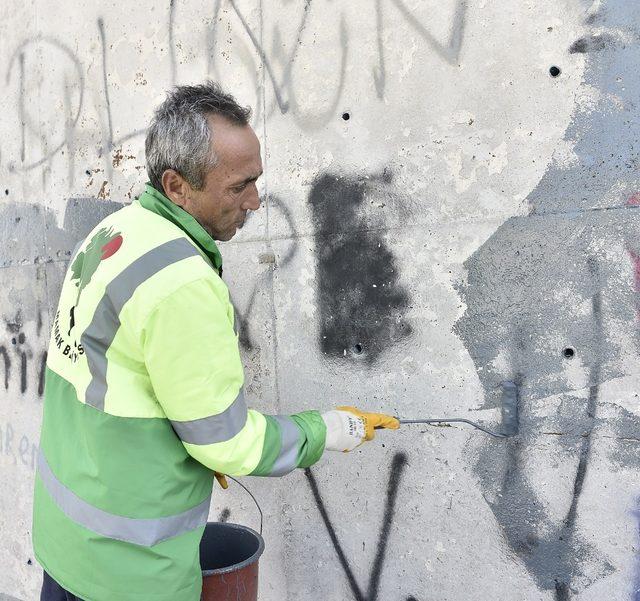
(451,420)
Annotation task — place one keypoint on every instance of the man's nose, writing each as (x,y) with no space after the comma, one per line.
(253,202)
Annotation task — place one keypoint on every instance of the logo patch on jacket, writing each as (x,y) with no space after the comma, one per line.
(104,244)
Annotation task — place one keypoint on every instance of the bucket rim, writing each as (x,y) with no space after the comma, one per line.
(243,564)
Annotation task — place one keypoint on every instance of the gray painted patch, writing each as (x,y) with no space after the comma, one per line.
(626,451)
(593,43)
(560,278)
(527,302)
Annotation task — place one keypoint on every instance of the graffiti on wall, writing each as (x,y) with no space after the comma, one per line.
(362,304)
(26,73)
(21,362)
(285,91)
(398,465)
(17,447)
(361,301)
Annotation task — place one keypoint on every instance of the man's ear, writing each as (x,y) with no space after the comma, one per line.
(176,188)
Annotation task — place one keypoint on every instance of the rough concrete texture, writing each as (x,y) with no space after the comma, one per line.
(451,200)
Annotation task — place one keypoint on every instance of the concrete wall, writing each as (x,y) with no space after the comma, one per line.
(441,214)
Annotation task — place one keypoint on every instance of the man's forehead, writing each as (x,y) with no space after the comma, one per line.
(233,139)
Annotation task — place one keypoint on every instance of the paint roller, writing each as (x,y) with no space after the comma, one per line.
(509,415)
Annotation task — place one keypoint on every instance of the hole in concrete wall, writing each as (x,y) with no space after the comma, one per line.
(357,348)
(88,172)
(6,192)
(346,116)
(569,352)
(554,71)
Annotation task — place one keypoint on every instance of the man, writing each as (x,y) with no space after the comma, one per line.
(143,396)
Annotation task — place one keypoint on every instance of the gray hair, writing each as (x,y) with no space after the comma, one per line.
(179,136)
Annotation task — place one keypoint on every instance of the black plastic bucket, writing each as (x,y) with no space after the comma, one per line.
(229,556)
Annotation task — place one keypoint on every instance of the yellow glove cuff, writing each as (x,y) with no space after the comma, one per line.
(372,421)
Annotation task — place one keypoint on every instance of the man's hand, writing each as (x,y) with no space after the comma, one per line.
(222,480)
(348,427)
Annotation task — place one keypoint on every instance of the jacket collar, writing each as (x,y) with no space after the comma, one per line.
(158,203)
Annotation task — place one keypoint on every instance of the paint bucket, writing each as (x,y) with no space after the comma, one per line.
(229,555)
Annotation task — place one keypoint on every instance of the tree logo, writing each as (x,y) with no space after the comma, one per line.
(104,244)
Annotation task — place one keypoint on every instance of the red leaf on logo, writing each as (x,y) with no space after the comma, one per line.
(111,248)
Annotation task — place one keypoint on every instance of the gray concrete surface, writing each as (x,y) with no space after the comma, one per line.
(440,214)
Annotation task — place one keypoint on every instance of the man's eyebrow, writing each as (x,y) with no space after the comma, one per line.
(247,180)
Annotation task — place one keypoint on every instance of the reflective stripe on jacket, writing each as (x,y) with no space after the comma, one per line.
(143,399)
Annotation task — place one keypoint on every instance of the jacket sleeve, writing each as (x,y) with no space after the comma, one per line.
(192,357)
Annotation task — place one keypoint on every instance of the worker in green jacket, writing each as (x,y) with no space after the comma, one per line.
(144,396)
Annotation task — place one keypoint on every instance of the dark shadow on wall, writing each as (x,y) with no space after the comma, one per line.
(553,287)
(362,304)
(35,235)
(38,249)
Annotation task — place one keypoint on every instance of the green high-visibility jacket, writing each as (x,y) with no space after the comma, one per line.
(143,399)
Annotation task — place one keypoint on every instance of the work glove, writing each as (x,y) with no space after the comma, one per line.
(348,427)
(222,480)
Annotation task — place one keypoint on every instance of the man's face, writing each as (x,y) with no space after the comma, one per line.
(230,187)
